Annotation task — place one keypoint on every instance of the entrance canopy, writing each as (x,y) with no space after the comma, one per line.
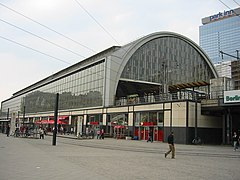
(188,85)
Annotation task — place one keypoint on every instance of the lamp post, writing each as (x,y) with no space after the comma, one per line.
(7,120)
(18,119)
(165,78)
(55,121)
(24,108)
(168,67)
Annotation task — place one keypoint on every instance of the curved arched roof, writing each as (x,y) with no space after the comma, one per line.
(130,48)
(121,57)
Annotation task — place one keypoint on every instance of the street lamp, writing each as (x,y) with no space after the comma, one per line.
(24,108)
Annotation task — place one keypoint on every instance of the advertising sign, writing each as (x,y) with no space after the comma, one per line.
(232,96)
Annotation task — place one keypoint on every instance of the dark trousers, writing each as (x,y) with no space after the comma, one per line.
(150,138)
(171,149)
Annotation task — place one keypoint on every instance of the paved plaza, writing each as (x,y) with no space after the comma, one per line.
(28,158)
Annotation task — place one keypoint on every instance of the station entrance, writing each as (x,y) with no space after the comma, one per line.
(228,115)
(142,132)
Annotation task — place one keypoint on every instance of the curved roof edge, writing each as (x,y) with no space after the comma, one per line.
(131,47)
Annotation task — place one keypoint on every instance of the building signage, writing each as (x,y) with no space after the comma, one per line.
(232,96)
(221,15)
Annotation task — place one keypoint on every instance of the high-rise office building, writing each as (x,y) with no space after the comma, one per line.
(221,32)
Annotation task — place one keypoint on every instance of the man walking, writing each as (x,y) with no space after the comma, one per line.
(234,139)
(150,135)
(171,145)
(8,130)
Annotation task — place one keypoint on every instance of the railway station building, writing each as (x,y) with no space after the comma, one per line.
(161,82)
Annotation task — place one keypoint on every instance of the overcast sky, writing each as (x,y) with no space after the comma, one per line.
(89,26)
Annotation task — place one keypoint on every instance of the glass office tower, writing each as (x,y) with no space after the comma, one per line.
(221,32)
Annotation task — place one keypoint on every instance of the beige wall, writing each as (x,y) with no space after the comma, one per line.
(167,118)
(149,107)
(119,110)
(191,114)
(202,120)
(179,114)
(210,122)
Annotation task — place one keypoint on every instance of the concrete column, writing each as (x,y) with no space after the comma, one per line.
(79,124)
(228,127)
(130,119)
(13,122)
(85,120)
(130,124)
(70,120)
(223,129)
(104,119)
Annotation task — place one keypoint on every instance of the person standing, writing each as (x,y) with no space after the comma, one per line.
(171,145)
(150,135)
(239,141)
(41,132)
(71,130)
(98,134)
(234,139)
(102,134)
(8,130)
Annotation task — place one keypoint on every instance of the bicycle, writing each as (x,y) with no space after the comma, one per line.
(197,141)
(15,133)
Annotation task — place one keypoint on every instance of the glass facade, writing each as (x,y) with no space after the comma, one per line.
(167,60)
(222,35)
(83,88)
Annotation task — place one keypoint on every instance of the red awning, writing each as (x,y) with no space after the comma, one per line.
(41,122)
(119,126)
(94,123)
(62,117)
(49,122)
(146,123)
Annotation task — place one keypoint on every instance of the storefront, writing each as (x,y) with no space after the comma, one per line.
(3,125)
(94,123)
(117,125)
(149,121)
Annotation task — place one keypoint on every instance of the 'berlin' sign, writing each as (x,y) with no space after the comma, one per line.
(232,96)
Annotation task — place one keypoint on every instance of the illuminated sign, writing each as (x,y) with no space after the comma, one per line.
(232,96)
(221,15)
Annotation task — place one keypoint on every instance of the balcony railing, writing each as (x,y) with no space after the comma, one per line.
(188,95)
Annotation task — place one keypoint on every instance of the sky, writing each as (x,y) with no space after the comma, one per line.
(41,37)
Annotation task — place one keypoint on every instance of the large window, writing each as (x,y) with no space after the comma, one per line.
(167,60)
(151,118)
(83,88)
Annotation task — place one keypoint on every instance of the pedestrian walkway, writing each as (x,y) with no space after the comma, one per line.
(204,150)
(27,158)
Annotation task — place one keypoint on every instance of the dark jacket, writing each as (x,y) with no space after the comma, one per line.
(171,139)
(150,133)
(234,138)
